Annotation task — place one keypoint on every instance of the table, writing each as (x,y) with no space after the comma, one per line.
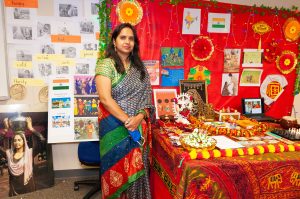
(270,175)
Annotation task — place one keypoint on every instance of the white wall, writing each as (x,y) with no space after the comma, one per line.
(3,74)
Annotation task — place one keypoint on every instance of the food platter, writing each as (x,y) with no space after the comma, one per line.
(197,141)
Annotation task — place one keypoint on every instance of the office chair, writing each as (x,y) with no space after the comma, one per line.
(89,154)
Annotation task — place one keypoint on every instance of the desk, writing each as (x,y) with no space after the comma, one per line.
(270,175)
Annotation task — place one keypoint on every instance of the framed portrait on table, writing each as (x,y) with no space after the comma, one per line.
(164,102)
(197,89)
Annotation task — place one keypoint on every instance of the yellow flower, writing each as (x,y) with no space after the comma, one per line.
(240,152)
(287,62)
(293,29)
(228,152)
(129,11)
(250,151)
(217,153)
(281,147)
(271,148)
(261,149)
(205,154)
(291,147)
(193,154)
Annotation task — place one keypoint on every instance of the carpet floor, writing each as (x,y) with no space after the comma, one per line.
(63,189)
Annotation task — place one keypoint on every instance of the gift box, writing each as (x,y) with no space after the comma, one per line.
(225,116)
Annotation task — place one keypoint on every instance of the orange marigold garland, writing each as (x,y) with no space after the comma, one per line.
(129,11)
(286,62)
(202,48)
(256,150)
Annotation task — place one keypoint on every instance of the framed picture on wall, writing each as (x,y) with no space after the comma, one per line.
(164,101)
(198,90)
(218,22)
(251,77)
(252,58)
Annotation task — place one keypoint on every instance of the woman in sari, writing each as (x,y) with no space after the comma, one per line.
(125,94)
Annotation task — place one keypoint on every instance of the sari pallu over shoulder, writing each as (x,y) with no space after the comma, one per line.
(121,157)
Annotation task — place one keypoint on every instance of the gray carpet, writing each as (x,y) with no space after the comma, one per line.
(63,188)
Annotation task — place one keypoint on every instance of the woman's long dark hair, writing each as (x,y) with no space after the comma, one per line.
(134,56)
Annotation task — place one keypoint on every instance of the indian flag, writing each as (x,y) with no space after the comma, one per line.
(218,22)
(61,84)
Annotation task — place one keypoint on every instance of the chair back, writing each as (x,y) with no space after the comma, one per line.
(89,153)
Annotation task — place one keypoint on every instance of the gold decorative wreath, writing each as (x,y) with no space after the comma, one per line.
(202,48)
(286,62)
(291,29)
(129,11)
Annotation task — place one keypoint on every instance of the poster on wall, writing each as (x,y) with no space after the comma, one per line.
(171,56)
(251,77)
(73,109)
(153,70)
(25,157)
(164,102)
(230,84)
(191,21)
(252,58)
(218,22)
(232,59)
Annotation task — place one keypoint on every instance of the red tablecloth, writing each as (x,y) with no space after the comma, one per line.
(271,175)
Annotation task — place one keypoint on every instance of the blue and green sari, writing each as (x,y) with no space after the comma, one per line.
(123,161)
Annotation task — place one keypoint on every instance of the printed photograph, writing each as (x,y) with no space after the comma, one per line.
(47,49)
(86,106)
(230,84)
(45,69)
(64,102)
(153,70)
(22,32)
(60,70)
(25,157)
(251,77)
(25,73)
(164,101)
(90,46)
(171,56)
(23,55)
(82,68)
(21,13)
(61,121)
(86,27)
(69,52)
(43,29)
(84,85)
(232,59)
(68,10)
(86,128)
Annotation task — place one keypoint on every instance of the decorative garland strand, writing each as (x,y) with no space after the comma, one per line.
(293,11)
(256,150)
(104,10)
(297,81)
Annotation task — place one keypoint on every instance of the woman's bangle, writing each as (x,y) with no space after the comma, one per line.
(142,111)
(128,120)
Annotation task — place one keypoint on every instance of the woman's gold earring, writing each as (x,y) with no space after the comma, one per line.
(115,48)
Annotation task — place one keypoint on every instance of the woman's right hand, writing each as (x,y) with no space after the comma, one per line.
(133,122)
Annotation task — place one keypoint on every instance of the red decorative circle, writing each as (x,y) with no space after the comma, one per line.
(202,48)
(286,62)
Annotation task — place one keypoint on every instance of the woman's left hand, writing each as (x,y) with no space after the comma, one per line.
(133,122)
